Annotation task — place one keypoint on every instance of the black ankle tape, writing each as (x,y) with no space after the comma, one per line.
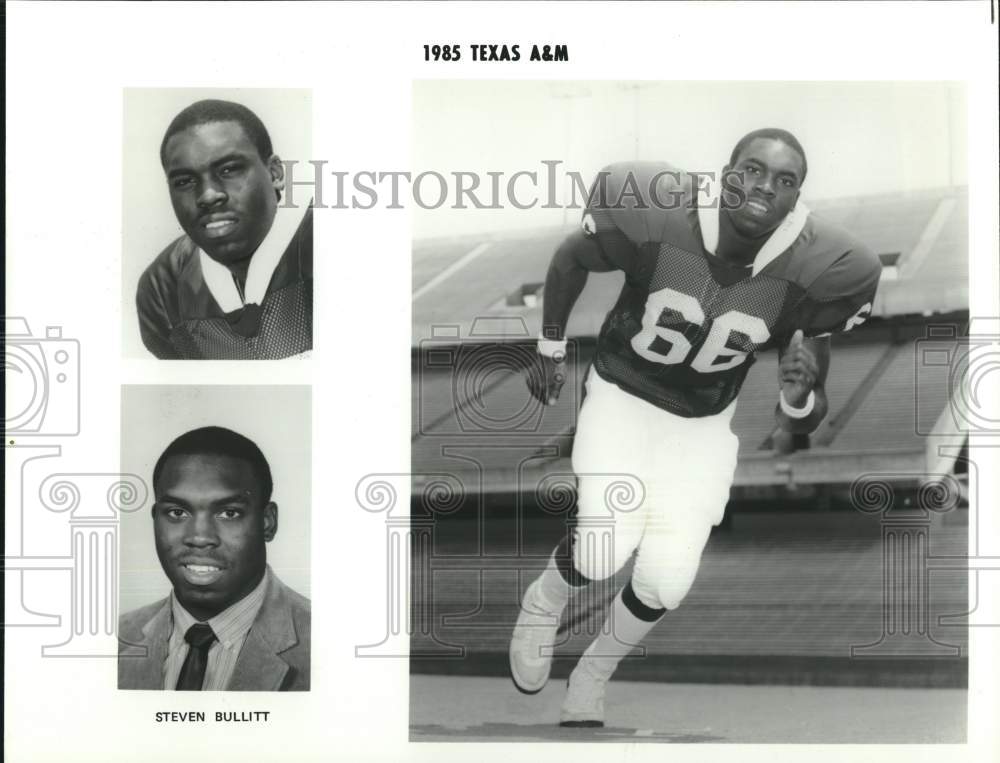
(564,563)
(637,608)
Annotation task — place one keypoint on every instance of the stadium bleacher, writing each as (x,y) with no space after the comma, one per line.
(928,229)
(796,589)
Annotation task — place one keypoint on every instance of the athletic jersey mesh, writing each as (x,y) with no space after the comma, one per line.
(286,329)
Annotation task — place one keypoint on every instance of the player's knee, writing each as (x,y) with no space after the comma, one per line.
(594,567)
(595,555)
(673,593)
(664,587)
(647,595)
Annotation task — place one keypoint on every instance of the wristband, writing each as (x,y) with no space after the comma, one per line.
(797,413)
(550,348)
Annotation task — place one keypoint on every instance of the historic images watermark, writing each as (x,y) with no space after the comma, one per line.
(537,188)
(963,361)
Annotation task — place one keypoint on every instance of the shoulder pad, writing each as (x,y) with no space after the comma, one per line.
(637,198)
(830,263)
(840,276)
(173,259)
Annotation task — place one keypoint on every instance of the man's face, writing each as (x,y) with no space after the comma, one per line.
(211,523)
(222,191)
(769,173)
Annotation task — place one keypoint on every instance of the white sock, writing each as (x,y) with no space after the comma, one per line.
(622,632)
(552,592)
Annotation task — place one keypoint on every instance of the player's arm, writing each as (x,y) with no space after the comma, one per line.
(838,298)
(802,368)
(575,259)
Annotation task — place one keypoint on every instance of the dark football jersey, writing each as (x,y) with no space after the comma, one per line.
(687,324)
(180,319)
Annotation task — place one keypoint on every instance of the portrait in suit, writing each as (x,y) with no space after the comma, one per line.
(229,622)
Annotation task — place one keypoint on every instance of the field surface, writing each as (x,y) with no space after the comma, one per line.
(471,709)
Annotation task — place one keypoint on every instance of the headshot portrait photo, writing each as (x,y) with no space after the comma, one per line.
(215,572)
(216,250)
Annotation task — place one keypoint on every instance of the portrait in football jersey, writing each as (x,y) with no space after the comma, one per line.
(238,283)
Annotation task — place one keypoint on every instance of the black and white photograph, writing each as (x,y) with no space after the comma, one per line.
(216,574)
(217,251)
(578,381)
(685,456)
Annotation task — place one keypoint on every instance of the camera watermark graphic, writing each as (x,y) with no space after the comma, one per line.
(42,381)
(962,365)
(474,384)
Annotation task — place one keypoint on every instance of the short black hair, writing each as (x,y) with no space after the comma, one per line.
(208,111)
(771,133)
(218,441)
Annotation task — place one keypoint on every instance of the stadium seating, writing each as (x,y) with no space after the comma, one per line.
(801,585)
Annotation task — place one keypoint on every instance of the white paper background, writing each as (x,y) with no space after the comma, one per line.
(67,65)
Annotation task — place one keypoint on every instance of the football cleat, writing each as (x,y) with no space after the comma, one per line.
(583,707)
(532,643)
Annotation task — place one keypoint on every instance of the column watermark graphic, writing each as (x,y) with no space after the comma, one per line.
(415,617)
(409,544)
(907,561)
(93,503)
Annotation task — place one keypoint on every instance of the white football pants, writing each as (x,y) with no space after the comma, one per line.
(679,471)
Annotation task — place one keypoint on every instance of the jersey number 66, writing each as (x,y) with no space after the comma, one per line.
(715,354)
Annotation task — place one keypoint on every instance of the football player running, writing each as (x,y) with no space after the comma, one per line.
(711,279)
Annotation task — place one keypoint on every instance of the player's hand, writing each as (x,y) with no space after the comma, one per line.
(546,376)
(797,371)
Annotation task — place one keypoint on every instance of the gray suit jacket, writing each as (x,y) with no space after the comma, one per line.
(275,655)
